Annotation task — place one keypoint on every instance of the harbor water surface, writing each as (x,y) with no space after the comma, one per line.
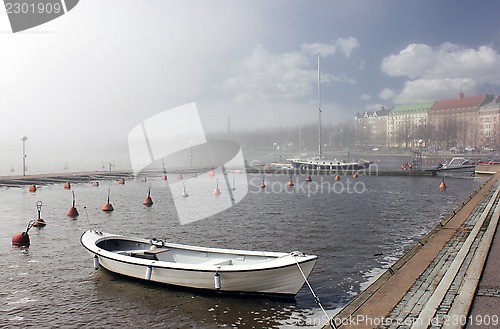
(357,227)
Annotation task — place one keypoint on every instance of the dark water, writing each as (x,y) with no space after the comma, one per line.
(357,227)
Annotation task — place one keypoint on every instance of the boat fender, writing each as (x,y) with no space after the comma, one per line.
(217,280)
(149,270)
(96,262)
(296,254)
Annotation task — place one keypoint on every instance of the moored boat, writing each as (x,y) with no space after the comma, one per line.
(329,165)
(226,270)
(456,166)
(319,162)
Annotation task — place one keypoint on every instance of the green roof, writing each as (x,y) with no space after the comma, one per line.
(411,108)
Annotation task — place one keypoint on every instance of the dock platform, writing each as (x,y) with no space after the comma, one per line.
(449,279)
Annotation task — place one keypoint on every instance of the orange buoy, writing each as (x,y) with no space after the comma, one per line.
(39,222)
(263,185)
(148,201)
(121,181)
(442,185)
(216,192)
(211,173)
(308,178)
(73,212)
(23,239)
(67,186)
(32,188)
(355,175)
(337,177)
(108,206)
(290,182)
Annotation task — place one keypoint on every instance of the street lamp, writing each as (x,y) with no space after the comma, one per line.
(24,138)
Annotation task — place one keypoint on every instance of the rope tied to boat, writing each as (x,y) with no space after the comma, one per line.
(295,254)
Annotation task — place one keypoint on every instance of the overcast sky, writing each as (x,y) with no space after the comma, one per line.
(77,85)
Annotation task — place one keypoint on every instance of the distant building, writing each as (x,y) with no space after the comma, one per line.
(489,123)
(371,128)
(455,121)
(407,124)
(461,122)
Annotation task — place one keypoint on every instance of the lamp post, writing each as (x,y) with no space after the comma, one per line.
(24,138)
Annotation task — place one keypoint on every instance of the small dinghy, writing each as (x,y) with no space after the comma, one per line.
(226,270)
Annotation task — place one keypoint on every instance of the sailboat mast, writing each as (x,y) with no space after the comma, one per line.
(319,109)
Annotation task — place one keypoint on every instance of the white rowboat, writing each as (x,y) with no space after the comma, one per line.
(226,270)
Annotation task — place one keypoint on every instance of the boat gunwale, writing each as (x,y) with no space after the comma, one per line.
(198,267)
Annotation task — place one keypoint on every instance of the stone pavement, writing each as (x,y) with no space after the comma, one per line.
(434,284)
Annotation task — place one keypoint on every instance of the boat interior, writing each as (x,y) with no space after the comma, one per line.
(159,252)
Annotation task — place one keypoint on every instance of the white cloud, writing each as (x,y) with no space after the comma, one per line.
(347,45)
(265,76)
(423,90)
(365,97)
(387,94)
(325,49)
(433,72)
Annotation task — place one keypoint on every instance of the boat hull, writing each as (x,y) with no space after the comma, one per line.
(330,165)
(277,274)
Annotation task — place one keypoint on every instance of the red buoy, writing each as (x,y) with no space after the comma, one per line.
(95,183)
(73,212)
(290,182)
(32,188)
(337,177)
(164,177)
(107,206)
(211,173)
(23,239)
(216,192)
(355,175)
(442,185)
(121,181)
(67,186)
(184,191)
(148,201)
(308,178)
(39,222)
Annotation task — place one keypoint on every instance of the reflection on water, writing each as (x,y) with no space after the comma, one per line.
(356,233)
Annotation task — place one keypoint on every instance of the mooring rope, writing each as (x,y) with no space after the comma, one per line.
(316,298)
